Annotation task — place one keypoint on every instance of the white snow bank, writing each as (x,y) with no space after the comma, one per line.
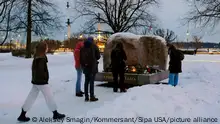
(123,34)
(133,36)
(154,101)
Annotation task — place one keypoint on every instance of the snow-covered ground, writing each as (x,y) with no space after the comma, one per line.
(197,95)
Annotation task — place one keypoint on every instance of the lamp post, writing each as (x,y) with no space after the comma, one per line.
(65,35)
(10,44)
(19,41)
(68,21)
(99,28)
(187,36)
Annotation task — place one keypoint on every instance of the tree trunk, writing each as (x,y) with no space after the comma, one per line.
(29,26)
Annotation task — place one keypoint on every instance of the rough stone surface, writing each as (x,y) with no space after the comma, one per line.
(140,49)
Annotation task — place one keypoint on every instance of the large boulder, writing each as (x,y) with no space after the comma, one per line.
(140,50)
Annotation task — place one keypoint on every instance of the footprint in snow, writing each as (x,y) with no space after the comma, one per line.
(133,98)
(178,109)
(67,80)
(158,97)
(195,101)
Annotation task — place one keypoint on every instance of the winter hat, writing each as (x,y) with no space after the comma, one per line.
(88,42)
(90,39)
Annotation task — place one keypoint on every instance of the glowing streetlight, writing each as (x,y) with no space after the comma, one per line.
(187,33)
(99,36)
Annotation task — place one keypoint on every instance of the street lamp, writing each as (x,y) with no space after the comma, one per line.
(67,5)
(68,21)
(81,36)
(99,37)
(65,35)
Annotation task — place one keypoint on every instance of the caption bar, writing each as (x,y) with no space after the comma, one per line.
(168,120)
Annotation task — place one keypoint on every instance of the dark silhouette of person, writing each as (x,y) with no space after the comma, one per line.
(118,58)
(175,64)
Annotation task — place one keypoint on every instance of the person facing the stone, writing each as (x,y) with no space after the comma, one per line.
(40,77)
(175,64)
(89,56)
(118,58)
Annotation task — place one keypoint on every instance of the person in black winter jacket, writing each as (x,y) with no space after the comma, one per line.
(89,56)
(40,77)
(175,64)
(118,58)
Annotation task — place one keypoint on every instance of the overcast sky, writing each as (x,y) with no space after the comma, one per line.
(169,14)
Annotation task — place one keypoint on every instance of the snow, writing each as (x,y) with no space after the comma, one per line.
(15,86)
(197,94)
(133,36)
(123,34)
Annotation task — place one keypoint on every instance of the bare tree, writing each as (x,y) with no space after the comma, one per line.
(37,16)
(167,34)
(197,43)
(206,13)
(146,30)
(5,12)
(119,15)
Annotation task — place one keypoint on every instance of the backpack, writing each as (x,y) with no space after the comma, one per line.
(87,57)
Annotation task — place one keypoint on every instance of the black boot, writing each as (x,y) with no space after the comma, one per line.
(93,99)
(115,89)
(79,94)
(57,115)
(23,117)
(123,90)
(86,98)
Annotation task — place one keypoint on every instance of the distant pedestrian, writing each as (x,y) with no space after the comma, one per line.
(89,56)
(40,77)
(78,68)
(118,58)
(175,64)
(195,51)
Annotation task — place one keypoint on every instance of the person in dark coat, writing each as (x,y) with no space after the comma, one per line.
(40,77)
(175,64)
(89,56)
(195,51)
(118,58)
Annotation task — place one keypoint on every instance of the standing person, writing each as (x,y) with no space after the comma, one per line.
(40,77)
(78,91)
(175,64)
(195,51)
(118,58)
(89,56)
